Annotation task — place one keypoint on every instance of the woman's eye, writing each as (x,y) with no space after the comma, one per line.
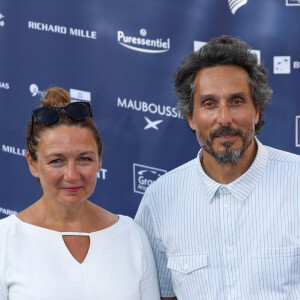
(84,158)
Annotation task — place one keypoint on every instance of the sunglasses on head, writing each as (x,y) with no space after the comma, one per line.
(50,114)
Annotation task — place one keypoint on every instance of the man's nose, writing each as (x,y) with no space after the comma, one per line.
(224,116)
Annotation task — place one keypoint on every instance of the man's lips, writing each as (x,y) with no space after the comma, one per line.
(225,136)
(73,189)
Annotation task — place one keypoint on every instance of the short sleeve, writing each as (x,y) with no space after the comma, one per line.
(149,283)
(147,217)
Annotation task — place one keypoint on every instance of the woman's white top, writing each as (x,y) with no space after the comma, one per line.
(35,264)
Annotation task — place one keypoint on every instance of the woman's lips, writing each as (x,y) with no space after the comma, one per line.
(73,189)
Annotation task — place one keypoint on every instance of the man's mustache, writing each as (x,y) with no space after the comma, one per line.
(225,130)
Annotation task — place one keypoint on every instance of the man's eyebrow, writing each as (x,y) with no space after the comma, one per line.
(213,97)
(240,94)
(206,97)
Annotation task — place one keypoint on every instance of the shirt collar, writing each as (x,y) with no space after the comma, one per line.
(242,186)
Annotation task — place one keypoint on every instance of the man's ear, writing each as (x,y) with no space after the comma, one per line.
(32,166)
(191,123)
(256,117)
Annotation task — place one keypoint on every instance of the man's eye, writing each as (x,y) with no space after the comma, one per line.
(208,103)
(237,101)
(56,161)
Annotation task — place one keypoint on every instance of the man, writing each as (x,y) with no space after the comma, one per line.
(226,225)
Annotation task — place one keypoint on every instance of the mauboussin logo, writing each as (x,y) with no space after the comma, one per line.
(142,43)
(143,176)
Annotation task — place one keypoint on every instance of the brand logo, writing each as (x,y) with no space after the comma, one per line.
(234,5)
(143,176)
(102,174)
(13,150)
(62,30)
(297,131)
(2,23)
(78,95)
(198,45)
(292,2)
(7,212)
(34,90)
(152,124)
(152,108)
(296,64)
(281,64)
(143,44)
(4,85)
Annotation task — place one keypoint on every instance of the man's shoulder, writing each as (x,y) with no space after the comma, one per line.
(187,169)
(280,156)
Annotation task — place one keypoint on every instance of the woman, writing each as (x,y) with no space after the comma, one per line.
(64,246)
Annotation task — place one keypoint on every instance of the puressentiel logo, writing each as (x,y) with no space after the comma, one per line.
(34,90)
(2,23)
(142,43)
(79,95)
(198,45)
(143,176)
(292,2)
(297,131)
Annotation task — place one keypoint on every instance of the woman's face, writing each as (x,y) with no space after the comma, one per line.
(67,165)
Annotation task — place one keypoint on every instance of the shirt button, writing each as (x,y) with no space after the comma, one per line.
(229,249)
(226,205)
(185,266)
(233,293)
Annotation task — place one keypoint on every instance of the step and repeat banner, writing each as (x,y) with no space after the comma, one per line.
(120,55)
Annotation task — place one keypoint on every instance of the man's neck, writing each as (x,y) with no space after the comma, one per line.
(226,173)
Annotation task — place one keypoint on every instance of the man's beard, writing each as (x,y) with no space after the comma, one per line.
(227,155)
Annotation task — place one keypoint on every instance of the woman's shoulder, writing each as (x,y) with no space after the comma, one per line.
(7,222)
(129,224)
(6,225)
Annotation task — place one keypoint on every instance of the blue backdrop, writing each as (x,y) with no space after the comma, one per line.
(121,55)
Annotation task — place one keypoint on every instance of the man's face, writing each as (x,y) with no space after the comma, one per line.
(224,115)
